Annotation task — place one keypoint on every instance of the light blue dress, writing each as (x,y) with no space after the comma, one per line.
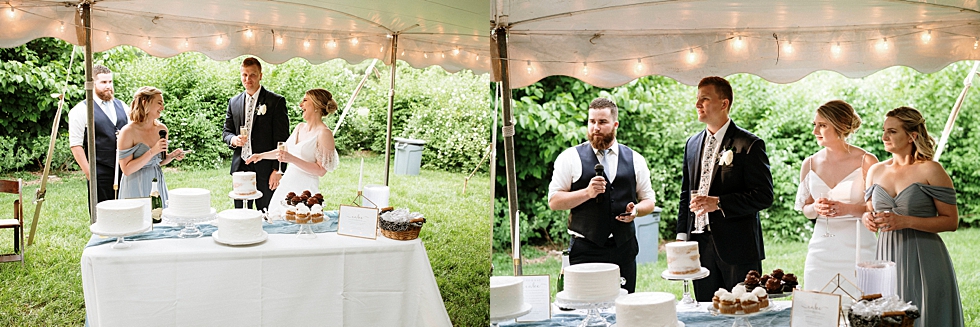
(140,182)
(925,270)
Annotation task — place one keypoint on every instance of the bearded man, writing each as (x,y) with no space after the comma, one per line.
(603,202)
(111,115)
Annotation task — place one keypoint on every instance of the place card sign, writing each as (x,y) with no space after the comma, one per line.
(358,222)
(815,309)
(537,293)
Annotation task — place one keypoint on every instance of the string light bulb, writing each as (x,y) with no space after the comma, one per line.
(976,43)
(442,54)
(455,52)
(306,44)
(149,43)
(62,28)
(639,65)
(11,13)
(187,43)
(926,36)
(585,68)
(279,40)
(691,56)
(382,49)
(332,44)
(835,49)
(738,43)
(220,40)
(883,45)
(248,33)
(107,36)
(788,47)
(353,41)
(403,53)
(529,69)
(425,54)
(478,57)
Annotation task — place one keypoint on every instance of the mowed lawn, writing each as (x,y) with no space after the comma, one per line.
(962,245)
(47,291)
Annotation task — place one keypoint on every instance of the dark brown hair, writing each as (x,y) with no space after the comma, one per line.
(251,61)
(603,103)
(721,86)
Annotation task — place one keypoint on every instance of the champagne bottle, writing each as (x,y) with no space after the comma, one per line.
(561,276)
(156,203)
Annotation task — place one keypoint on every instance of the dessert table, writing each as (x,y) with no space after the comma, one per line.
(776,315)
(331,280)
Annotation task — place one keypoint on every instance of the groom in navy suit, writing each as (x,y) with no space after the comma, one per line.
(726,169)
(263,114)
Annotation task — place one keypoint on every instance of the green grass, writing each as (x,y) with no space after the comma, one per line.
(962,245)
(47,291)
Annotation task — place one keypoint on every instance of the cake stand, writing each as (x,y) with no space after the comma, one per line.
(190,223)
(687,300)
(306,230)
(257,195)
(741,319)
(592,318)
(216,236)
(495,321)
(120,236)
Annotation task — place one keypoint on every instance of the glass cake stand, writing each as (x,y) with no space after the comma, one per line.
(592,318)
(189,223)
(687,300)
(306,229)
(741,318)
(235,196)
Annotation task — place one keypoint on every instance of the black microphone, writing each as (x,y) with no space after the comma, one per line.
(599,171)
(163,135)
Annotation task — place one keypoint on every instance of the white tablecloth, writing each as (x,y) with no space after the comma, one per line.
(285,281)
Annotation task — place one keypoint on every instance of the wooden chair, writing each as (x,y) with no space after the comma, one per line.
(17,223)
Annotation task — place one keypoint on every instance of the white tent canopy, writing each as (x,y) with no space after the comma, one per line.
(611,42)
(450,34)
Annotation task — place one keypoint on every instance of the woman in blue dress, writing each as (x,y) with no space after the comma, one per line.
(140,146)
(920,201)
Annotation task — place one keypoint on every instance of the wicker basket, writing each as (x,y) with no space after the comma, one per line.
(886,319)
(410,233)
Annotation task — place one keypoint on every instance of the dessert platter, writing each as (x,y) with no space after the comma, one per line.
(744,300)
(647,309)
(239,227)
(121,218)
(188,207)
(591,286)
(243,186)
(304,210)
(507,299)
(777,284)
(684,264)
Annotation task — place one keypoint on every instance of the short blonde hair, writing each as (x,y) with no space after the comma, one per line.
(141,99)
(841,116)
(924,146)
(322,100)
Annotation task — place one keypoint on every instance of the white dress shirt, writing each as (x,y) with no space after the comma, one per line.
(78,119)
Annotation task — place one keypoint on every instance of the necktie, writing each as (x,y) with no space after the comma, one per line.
(707,168)
(109,111)
(249,108)
(602,160)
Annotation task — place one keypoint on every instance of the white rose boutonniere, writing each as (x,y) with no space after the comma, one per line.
(725,159)
(261,110)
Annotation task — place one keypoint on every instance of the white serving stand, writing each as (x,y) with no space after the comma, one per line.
(120,236)
(525,309)
(687,300)
(257,195)
(592,318)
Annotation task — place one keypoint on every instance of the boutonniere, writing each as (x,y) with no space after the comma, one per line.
(261,110)
(725,159)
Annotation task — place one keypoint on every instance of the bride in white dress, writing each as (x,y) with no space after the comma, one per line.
(310,150)
(831,191)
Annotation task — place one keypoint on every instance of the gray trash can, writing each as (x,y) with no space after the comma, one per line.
(648,235)
(408,156)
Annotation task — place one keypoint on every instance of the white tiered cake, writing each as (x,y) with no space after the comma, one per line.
(189,203)
(119,216)
(648,309)
(506,296)
(683,258)
(240,225)
(592,282)
(243,183)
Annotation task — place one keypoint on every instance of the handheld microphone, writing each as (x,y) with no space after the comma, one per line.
(163,135)
(599,171)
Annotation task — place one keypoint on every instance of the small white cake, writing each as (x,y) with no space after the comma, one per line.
(647,309)
(240,225)
(506,295)
(243,182)
(188,203)
(119,216)
(592,282)
(683,258)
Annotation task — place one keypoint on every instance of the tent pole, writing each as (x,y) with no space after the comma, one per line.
(343,114)
(391,104)
(500,37)
(93,188)
(967,83)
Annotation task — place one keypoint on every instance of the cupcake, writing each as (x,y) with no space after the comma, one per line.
(763,280)
(774,286)
(302,214)
(738,290)
(727,304)
(316,214)
(789,283)
(751,282)
(716,300)
(777,274)
(752,273)
(750,303)
(291,213)
(763,297)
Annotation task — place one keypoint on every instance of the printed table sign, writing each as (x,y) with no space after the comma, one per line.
(358,222)
(815,309)
(537,293)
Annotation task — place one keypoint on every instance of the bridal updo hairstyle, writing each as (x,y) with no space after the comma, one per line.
(141,99)
(923,146)
(323,100)
(840,115)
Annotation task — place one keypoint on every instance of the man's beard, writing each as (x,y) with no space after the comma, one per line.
(105,95)
(602,141)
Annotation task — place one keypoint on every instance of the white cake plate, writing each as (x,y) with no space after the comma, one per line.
(687,300)
(120,236)
(217,238)
(592,318)
(258,194)
(524,310)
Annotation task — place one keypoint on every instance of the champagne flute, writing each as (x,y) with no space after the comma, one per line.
(822,197)
(243,134)
(877,233)
(697,228)
(282,147)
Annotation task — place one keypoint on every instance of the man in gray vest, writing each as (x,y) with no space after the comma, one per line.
(110,116)
(604,199)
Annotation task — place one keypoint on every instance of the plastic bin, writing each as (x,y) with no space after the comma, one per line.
(648,235)
(408,156)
